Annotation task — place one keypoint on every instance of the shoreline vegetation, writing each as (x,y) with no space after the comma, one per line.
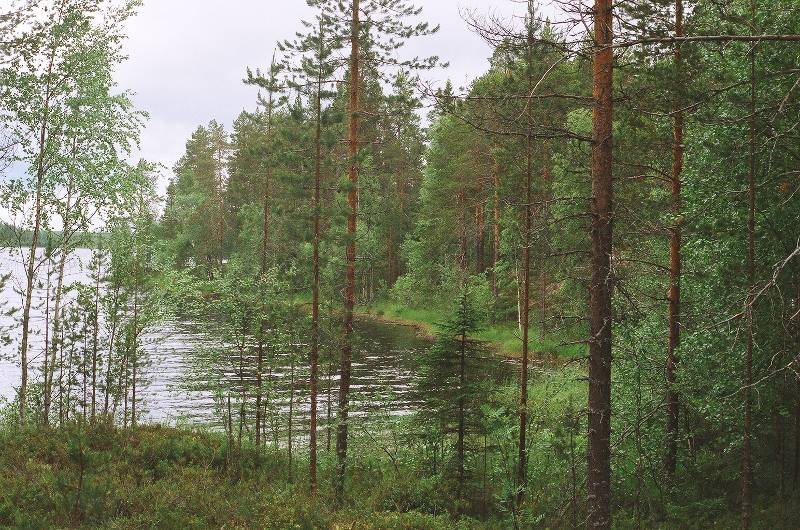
(11,237)
(502,338)
(152,476)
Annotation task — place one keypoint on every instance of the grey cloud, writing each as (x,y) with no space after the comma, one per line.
(187,58)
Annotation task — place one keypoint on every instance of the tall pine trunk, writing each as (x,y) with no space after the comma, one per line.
(796,471)
(599,403)
(350,282)
(242,388)
(463,256)
(480,231)
(264,264)
(462,379)
(495,225)
(522,470)
(675,256)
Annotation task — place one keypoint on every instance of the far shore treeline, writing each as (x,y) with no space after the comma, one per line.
(11,237)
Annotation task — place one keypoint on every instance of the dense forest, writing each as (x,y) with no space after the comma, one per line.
(597,241)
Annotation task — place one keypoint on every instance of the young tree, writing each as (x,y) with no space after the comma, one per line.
(313,55)
(519,106)
(57,96)
(448,379)
(269,83)
(136,304)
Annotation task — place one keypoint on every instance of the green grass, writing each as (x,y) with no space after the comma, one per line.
(503,337)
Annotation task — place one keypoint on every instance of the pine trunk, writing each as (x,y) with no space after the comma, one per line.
(675,259)
(462,378)
(480,231)
(747,464)
(496,226)
(522,470)
(350,283)
(599,434)
(263,269)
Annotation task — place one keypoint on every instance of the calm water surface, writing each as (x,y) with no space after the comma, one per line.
(185,366)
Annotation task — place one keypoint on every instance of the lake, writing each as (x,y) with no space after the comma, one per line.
(182,360)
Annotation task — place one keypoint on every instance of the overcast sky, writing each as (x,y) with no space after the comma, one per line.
(187,58)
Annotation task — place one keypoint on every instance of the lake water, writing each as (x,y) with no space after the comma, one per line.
(182,360)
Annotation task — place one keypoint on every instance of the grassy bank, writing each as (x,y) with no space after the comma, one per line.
(504,338)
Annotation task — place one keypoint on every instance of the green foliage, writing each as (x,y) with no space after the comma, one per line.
(165,478)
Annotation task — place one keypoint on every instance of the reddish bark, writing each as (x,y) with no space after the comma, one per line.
(796,474)
(599,435)
(350,282)
(496,226)
(480,230)
(264,264)
(391,258)
(462,226)
(747,465)
(674,261)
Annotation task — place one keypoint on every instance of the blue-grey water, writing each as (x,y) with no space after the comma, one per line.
(188,374)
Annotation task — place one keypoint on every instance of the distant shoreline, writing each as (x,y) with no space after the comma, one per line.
(11,237)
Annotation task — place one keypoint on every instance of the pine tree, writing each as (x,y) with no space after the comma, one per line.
(377,30)
(312,59)
(270,84)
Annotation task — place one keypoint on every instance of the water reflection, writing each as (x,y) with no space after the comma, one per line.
(191,374)
(187,375)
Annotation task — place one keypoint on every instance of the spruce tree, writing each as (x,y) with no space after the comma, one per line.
(449,380)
